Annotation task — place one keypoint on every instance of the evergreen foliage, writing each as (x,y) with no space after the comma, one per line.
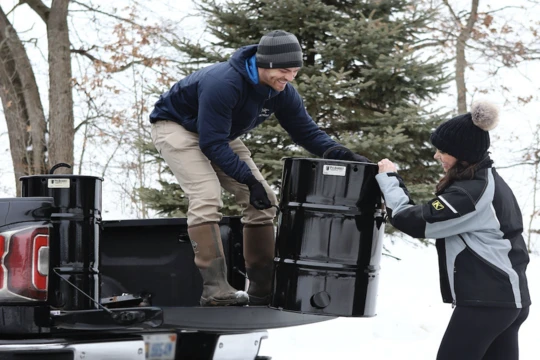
(365,81)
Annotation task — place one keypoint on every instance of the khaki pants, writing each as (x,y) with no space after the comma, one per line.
(201,180)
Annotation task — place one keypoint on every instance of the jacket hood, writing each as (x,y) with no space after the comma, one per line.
(239,58)
(240,61)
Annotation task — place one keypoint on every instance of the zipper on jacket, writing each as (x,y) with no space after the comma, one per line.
(454,296)
(447,294)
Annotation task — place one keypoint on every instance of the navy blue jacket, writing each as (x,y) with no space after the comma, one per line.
(224,101)
(478,227)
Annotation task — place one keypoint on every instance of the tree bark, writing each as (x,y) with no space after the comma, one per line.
(14,112)
(61,122)
(461,61)
(22,105)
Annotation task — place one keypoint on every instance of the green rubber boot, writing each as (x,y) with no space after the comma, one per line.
(209,258)
(259,246)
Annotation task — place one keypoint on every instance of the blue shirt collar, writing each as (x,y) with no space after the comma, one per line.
(251,68)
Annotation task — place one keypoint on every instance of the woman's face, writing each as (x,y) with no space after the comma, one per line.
(447,161)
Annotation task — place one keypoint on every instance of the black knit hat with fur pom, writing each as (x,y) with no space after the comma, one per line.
(466,137)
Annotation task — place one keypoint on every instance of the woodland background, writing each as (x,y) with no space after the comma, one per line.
(79,78)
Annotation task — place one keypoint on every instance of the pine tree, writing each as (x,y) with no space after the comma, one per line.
(365,80)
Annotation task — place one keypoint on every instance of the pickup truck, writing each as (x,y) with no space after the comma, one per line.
(74,286)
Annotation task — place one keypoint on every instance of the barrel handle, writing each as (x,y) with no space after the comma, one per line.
(58,166)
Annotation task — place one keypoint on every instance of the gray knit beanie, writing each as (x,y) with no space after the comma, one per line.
(278,50)
(466,136)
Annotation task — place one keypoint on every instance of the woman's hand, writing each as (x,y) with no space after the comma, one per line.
(386,165)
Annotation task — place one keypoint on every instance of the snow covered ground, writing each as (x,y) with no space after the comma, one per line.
(410,322)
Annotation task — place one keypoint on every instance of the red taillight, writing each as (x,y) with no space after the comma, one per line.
(40,255)
(26,275)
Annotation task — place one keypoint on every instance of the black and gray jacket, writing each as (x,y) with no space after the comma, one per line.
(478,226)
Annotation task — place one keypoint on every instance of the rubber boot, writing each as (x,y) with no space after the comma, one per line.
(259,246)
(209,258)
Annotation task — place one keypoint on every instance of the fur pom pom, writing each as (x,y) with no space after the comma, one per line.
(485,115)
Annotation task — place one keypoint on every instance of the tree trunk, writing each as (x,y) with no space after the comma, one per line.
(61,123)
(461,86)
(461,62)
(14,112)
(22,105)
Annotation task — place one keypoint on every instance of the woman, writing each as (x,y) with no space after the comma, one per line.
(478,226)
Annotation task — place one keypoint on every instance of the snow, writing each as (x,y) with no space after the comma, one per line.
(411,317)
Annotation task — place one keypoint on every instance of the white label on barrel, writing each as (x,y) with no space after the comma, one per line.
(334,170)
(59,183)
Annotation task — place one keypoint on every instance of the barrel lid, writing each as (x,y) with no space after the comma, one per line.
(327,160)
(59,176)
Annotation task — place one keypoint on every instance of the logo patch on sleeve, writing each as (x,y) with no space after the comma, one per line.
(437,205)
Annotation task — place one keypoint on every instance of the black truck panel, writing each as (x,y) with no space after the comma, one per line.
(154,257)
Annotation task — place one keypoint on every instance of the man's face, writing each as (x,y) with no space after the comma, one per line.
(277,79)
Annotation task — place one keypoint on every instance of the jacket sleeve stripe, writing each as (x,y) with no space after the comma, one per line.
(447,204)
(448,214)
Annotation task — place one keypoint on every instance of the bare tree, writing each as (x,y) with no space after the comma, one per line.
(61,129)
(465,32)
(116,90)
(59,147)
(22,104)
(497,38)
(38,141)
(532,154)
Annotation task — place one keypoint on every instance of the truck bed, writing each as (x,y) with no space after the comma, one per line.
(154,257)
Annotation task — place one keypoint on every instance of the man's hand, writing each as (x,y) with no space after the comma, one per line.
(386,165)
(342,153)
(258,197)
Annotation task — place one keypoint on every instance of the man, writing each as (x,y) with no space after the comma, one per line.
(196,127)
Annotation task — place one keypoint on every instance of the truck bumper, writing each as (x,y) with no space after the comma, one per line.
(58,349)
(141,346)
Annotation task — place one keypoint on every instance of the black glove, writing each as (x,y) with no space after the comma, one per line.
(257,194)
(342,153)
